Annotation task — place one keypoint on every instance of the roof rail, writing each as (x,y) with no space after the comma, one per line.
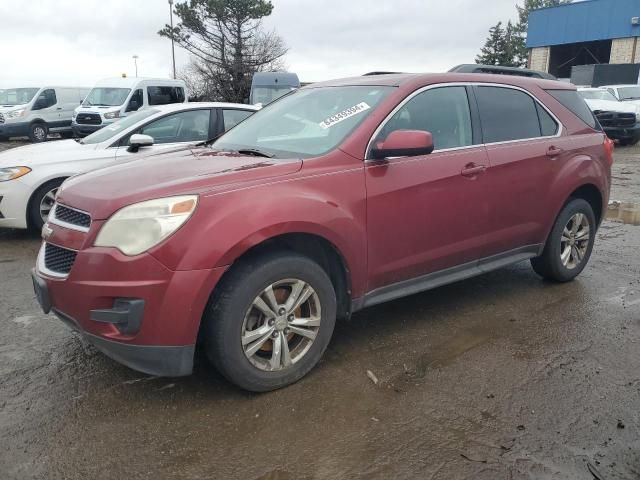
(500,70)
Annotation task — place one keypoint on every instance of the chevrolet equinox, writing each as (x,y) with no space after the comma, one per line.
(336,197)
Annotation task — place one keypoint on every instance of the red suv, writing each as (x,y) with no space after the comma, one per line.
(339,196)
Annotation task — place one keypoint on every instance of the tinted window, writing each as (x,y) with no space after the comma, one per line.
(190,126)
(45,100)
(234,117)
(574,102)
(507,114)
(548,125)
(136,101)
(442,111)
(165,95)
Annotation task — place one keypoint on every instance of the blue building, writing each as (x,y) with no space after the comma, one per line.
(583,33)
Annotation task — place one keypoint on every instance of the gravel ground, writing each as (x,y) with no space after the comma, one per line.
(503,376)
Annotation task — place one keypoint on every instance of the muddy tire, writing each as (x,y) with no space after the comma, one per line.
(41,203)
(38,132)
(570,243)
(270,321)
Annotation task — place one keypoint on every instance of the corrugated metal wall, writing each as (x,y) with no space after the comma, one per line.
(582,22)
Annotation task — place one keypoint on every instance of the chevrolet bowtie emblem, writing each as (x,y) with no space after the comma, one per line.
(46,231)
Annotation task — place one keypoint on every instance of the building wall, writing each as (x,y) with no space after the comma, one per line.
(622,50)
(539,58)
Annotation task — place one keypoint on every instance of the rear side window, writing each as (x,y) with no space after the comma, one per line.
(572,100)
(548,125)
(507,114)
(165,95)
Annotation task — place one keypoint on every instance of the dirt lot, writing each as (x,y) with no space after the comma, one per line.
(500,377)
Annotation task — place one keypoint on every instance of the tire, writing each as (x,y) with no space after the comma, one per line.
(232,314)
(38,132)
(551,265)
(41,197)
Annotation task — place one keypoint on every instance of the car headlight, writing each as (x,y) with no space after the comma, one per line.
(637,116)
(11,173)
(141,226)
(74,115)
(112,115)
(14,113)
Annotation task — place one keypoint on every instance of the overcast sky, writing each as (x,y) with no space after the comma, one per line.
(77,42)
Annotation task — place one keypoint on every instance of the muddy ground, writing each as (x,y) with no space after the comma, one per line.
(499,377)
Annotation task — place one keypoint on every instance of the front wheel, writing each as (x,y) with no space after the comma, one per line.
(38,132)
(270,321)
(570,243)
(41,203)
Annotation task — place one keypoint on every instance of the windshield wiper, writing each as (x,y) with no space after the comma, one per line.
(255,152)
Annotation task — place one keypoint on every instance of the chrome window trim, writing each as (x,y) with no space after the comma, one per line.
(559,132)
(42,268)
(53,219)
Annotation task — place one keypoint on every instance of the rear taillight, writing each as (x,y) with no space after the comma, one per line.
(608,148)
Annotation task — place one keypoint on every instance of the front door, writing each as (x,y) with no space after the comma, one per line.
(428,213)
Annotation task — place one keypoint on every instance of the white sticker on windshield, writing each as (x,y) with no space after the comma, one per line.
(343,115)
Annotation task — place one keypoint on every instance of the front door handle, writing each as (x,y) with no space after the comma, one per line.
(59,108)
(554,151)
(472,169)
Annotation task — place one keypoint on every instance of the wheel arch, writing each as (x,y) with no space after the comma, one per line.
(592,195)
(35,190)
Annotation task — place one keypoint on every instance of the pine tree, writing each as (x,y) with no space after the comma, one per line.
(494,48)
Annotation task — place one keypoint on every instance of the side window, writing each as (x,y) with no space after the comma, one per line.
(165,95)
(612,91)
(234,117)
(190,126)
(548,125)
(46,99)
(507,114)
(136,101)
(443,111)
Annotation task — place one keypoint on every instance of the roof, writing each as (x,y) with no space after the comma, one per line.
(419,79)
(584,21)
(129,82)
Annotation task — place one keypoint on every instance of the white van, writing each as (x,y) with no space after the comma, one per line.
(35,112)
(114,98)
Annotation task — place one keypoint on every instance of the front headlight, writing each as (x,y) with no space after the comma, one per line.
(11,173)
(111,115)
(141,226)
(638,117)
(14,113)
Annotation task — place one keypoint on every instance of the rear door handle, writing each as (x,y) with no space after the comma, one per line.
(554,151)
(472,169)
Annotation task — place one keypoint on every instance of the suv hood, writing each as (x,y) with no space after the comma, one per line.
(180,172)
(41,153)
(611,106)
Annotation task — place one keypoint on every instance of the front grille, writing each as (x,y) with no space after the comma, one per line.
(616,119)
(58,259)
(74,217)
(88,119)
(1,118)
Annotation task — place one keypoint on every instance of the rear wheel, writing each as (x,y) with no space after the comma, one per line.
(570,243)
(270,321)
(38,132)
(41,203)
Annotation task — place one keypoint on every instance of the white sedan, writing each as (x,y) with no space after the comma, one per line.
(31,175)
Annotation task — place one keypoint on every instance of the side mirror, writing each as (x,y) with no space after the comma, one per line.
(404,143)
(138,141)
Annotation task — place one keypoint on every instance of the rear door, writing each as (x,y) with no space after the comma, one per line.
(526,148)
(428,213)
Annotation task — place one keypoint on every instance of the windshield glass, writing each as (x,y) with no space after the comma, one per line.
(117,127)
(17,96)
(598,95)
(307,123)
(266,95)
(106,97)
(629,93)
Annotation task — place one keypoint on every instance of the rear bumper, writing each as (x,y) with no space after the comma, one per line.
(618,133)
(18,129)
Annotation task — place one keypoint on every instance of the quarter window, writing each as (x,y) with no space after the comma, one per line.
(165,95)
(507,114)
(190,126)
(548,125)
(442,111)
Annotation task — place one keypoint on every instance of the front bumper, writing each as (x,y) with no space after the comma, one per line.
(618,133)
(14,198)
(82,130)
(14,129)
(102,280)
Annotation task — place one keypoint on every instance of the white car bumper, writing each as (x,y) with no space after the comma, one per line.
(14,198)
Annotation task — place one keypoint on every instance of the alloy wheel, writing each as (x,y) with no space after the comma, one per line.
(281,325)
(39,133)
(46,204)
(574,241)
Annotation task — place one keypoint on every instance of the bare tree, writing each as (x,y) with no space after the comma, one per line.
(227,43)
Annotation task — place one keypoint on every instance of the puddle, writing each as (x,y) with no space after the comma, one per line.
(628,213)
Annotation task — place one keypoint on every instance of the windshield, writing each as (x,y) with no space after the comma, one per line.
(307,123)
(17,96)
(629,93)
(266,95)
(106,97)
(117,127)
(598,95)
